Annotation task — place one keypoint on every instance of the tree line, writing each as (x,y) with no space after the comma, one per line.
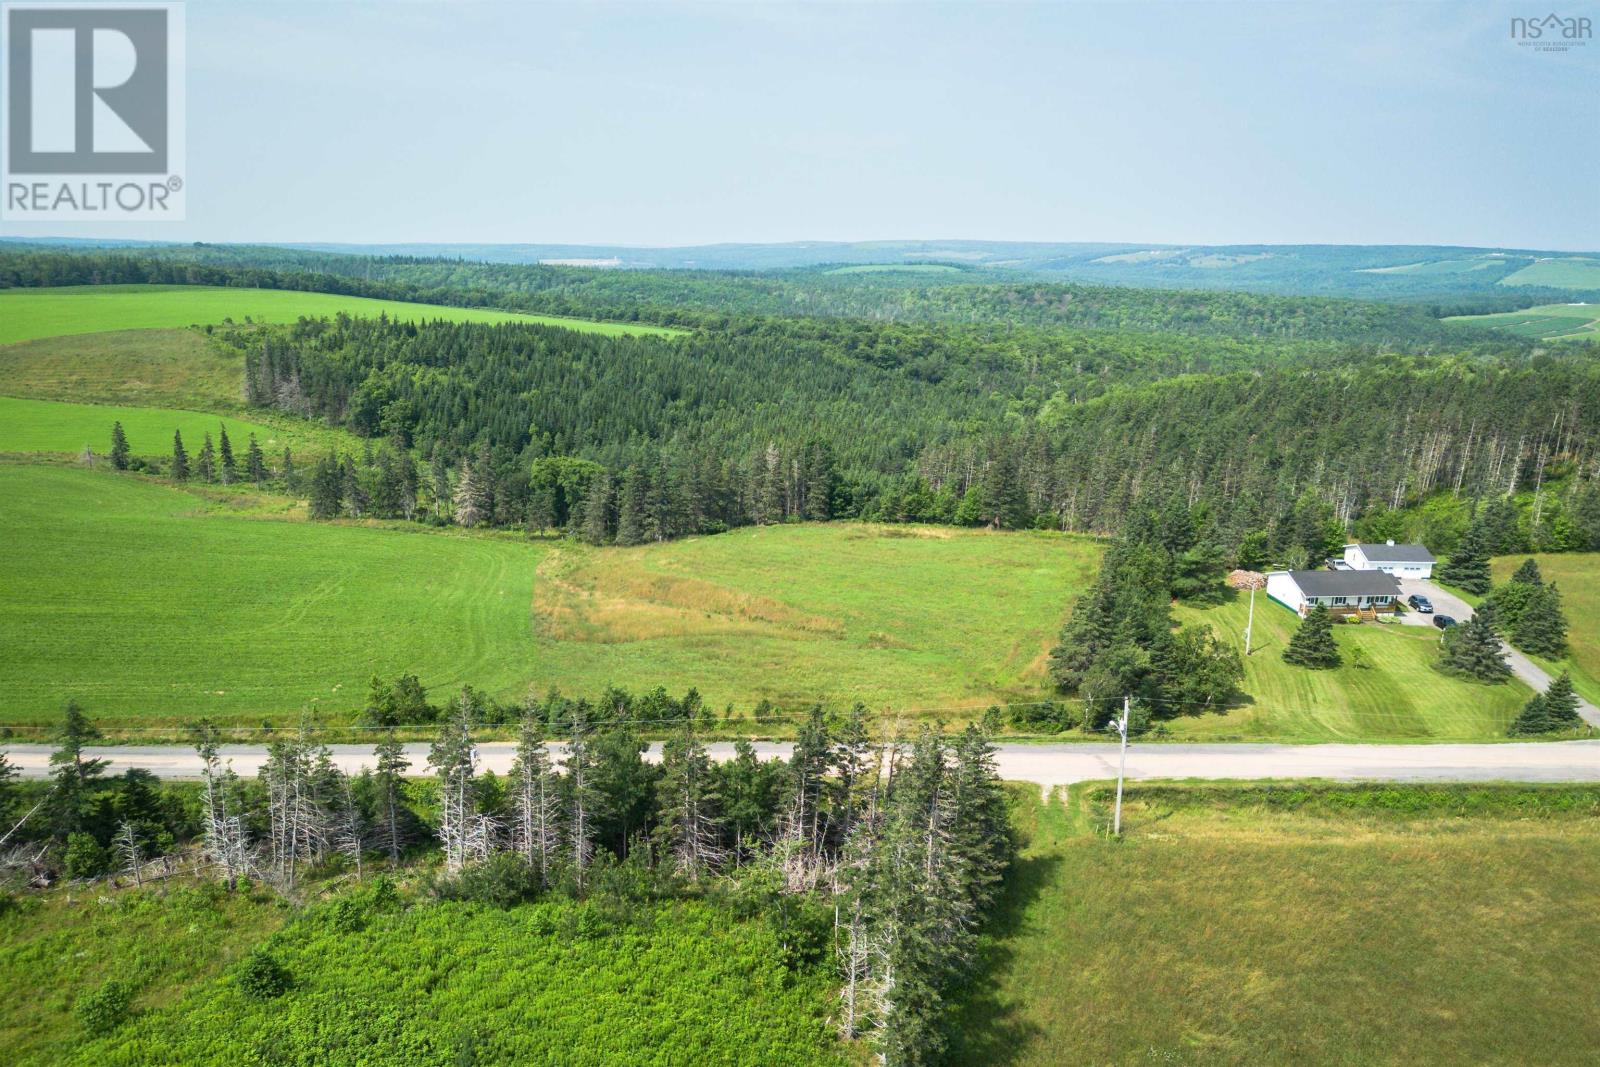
(886,853)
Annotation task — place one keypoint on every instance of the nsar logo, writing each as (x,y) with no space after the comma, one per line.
(1552,33)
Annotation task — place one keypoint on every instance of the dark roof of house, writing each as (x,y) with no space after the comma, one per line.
(1396,553)
(1345,583)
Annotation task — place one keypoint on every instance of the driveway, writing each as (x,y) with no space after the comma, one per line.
(1447,603)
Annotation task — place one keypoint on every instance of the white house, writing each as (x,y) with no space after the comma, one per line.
(1341,592)
(1402,561)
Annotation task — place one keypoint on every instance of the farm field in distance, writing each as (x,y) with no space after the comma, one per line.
(1296,924)
(1549,321)
(27,314)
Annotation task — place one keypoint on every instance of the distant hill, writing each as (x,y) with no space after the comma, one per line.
(1372,271)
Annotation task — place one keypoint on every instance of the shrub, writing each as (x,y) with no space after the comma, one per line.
(84,858)
(103,1010)
(261,976)
(503,880)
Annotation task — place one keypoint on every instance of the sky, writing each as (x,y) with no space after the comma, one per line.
(673,124)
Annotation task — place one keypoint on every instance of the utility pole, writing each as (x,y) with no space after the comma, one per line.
(1122,767)
(1249,626)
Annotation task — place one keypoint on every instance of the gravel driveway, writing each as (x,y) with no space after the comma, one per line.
(1447,603)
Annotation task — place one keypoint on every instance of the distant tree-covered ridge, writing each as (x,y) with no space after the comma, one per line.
(710,298)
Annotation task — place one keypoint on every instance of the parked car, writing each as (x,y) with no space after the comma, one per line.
(1443,622)
(1421,603)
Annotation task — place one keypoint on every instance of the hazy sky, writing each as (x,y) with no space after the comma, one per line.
(678,124)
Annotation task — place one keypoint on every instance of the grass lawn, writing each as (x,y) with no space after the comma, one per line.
(1578,575)
(1400,697)
(1547,321)
(26,314)
(208,607)
(49,426)
(1233,931)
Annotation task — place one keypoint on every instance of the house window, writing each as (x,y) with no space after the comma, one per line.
(1338,600)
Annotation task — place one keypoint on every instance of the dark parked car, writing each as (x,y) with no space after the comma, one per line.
(1443,622)
(1421,603)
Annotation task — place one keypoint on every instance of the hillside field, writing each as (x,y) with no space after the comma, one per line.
(1578,576)
(26,314)
(49,426)
(1550,321)
(1332,925)
(227,609)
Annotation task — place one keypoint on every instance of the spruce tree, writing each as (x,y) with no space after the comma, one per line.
(227,470)
(255,464)
(596,525)
(291,480)
(1554,709)
(119,447)
(180,458)
(1541,628)
(74,775)
(1528,573)
(205,464)
(327,489)
(631,508)
(1468,566)
(1313,645)
(1472,650)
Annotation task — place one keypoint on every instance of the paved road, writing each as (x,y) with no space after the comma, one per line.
(1447,603)
(1564,761)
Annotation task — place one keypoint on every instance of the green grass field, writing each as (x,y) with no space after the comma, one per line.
(208,608)
(26,314)
(1400,697)
(1568,272)
(1578,575)
(1336,932)
(49,426)
(1552,321)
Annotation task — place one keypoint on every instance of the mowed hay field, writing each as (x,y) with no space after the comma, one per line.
(154,605)
(1399,697)
(1343,930)
(1578,576)
(26,314)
